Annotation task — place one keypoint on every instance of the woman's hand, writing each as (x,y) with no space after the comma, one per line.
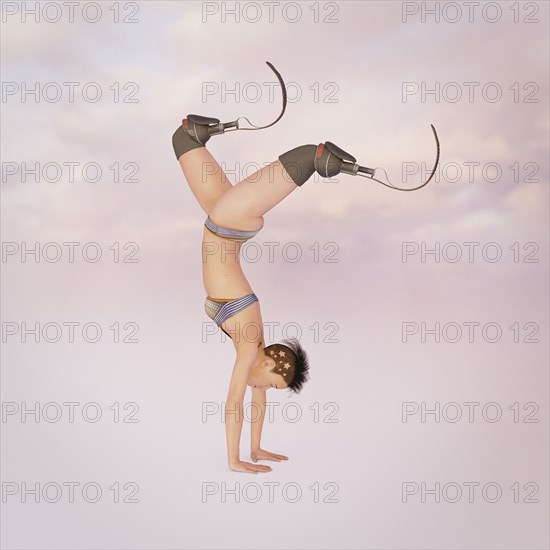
(247,467)
(260,454)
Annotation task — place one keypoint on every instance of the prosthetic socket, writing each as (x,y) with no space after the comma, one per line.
(326,159)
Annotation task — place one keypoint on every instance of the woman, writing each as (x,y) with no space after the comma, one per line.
(234,215)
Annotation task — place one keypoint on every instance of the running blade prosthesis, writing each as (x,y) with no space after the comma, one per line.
(201,127)
(331,160)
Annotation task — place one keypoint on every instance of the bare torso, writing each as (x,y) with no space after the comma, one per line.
(222,274)
(223,278)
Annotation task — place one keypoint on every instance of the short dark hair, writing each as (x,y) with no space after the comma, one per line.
(294,367)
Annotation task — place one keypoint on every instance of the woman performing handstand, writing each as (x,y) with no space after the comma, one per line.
(234,215)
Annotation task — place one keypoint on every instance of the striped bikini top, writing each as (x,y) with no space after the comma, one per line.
(236,235)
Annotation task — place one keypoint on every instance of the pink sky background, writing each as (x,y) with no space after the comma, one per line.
(366,294)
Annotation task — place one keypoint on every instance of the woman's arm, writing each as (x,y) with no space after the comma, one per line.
(246,355)
(257,422)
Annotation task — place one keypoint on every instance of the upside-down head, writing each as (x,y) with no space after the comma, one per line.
(281,366)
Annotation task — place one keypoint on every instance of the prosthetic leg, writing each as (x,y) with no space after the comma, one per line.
(196,130)
(328,160)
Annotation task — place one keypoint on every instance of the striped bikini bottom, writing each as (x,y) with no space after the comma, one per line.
(219,309)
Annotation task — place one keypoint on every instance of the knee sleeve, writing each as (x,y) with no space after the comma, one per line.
(326,159)
(299,163)
(183,142)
